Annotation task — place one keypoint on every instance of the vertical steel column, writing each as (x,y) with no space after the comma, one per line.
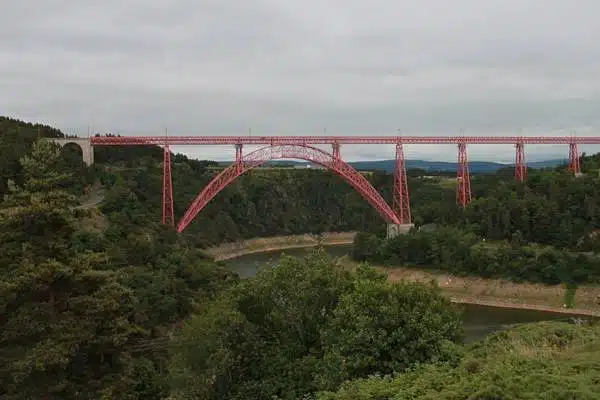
(335,147)
(168,216)
(574,163)
(463,178)
(520,165)
(239,159)
(401,202)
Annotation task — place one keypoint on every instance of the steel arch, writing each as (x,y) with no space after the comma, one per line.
(303,152)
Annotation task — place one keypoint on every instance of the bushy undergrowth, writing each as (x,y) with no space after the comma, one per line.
(549,360)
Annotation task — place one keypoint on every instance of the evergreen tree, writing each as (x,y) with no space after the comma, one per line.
(64,317)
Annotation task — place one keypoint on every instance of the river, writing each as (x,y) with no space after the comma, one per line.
(478,320)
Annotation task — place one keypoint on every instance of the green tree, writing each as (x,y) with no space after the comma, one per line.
(64,318)
(272,336)
(261,337)
(382,328)
(37,220)
(365,247)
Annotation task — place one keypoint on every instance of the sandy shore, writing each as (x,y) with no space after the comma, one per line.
(227,251)
(503,293)
(467,290)
(560,310)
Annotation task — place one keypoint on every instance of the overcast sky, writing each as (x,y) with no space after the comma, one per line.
(285,67)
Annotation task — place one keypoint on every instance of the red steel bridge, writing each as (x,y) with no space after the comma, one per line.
(302,147)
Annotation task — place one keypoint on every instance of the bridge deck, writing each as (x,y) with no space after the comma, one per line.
(299,140)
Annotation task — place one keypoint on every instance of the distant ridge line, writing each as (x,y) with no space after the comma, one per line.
(433,166)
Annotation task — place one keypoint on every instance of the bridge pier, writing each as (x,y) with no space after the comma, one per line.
(401,198)
(574,162)
(168,216)
(463,177)
(520,165)
(394,230)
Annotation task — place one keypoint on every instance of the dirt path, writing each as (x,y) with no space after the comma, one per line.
(92,198)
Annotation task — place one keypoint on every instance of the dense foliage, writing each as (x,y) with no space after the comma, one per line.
(52,295)
(16,140)
(550,361)
(463,253)
(551,207)
(309,324)
(87,298)
(93,291)
(543,230)
(263,202)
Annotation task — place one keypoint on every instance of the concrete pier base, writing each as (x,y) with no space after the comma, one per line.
(394,230)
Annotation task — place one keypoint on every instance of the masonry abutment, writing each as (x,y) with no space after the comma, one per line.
(87,149)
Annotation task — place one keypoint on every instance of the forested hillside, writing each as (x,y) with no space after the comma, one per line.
(263,202)
(88,297)
(103,302)
(544,230)
(91,297)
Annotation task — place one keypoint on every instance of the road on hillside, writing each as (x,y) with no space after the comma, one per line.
(92,199)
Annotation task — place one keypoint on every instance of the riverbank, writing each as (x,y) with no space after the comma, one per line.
(228,251)
(464,290)
(501,293)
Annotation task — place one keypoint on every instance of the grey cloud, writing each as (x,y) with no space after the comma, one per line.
(284,67)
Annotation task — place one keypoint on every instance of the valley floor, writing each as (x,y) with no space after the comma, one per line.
(468,290)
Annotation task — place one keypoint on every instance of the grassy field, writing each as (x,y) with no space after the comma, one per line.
(447,182)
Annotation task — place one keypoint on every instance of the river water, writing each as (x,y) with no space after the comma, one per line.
(478,320)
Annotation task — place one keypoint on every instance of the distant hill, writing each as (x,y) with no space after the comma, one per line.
(547,163)
(433,166)
(437,166)
(440,166)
